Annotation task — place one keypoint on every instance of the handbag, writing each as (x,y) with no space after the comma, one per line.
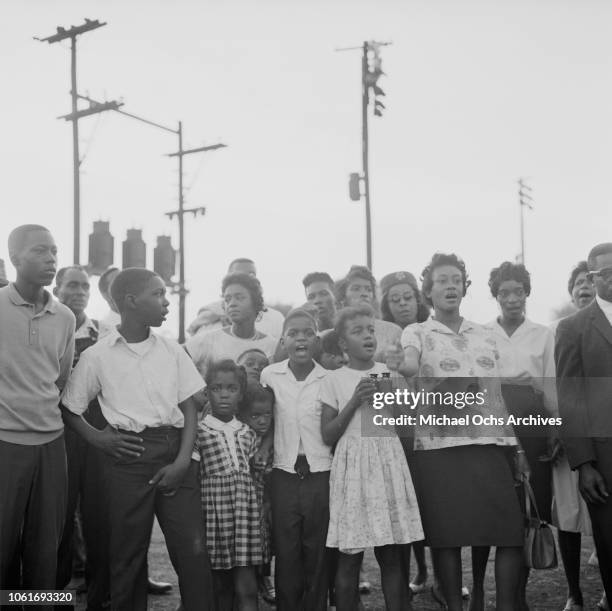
(540,551)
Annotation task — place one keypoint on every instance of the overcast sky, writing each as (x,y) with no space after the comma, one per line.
(479,93)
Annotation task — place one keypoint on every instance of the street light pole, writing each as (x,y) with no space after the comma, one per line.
(365,153)
(525,200)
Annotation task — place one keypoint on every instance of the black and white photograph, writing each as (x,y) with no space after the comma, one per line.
(306,305)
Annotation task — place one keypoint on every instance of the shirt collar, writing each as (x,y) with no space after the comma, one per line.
(526,326)
(218,425)
(436,325)
(283,368)
(115,337)
(88,324)
(14,295)
(606,306)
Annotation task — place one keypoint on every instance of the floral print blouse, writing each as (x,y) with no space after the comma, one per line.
(469,353)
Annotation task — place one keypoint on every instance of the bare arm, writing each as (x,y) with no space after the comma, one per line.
(334,423)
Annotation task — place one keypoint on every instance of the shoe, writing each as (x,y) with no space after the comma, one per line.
(158,587)
(365,587)
(418,588)
(593,560)
(465,593)
(570,605)
(603,605)
(267,591)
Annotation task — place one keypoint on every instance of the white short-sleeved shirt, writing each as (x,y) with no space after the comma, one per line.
(338,388)
(297,417)
(528,357)
(207,348)
(471,352)
(136,388)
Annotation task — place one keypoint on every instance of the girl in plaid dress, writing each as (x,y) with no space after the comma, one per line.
(231,504)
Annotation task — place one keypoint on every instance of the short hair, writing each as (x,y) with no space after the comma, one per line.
(349,313)
(239,260)
(130,281)
(422,308)
(227,366)
(330,343)
(255,392)
(509,271)
(601,249)
(248,351)
(59,277)
(18,236)
(104,282)
(581,267)
(313,277)
(438,260)
(251,284)
(299,313)
(356,271)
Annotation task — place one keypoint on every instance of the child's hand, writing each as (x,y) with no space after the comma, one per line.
(394,357)
(119,445)
(364,391)
(260,458)
(169,478)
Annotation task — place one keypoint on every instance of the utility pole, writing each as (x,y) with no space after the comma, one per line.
(180,213)
(180,288)
(525,201)
(371,71)
(76,114)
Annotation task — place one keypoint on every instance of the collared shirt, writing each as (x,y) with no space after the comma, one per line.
(36,352)
(135,390)
(297,417)
(228,429)
(471,352)
(109,322)
(86,329)
(606,307)
(528,357)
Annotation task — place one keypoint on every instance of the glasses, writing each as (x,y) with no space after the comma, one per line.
(604,274)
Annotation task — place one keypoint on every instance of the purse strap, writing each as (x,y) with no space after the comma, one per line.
(530,501)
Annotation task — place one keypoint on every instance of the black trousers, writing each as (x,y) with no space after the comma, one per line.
(86,489)
(601,515)
(32,510)
(300,517)
(133,503)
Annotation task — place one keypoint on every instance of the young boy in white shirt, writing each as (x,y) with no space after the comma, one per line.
(145,386)
(300,475)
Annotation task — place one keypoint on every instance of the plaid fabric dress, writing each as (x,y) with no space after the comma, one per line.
(230,500)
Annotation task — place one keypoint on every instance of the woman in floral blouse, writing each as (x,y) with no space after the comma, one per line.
(465,486)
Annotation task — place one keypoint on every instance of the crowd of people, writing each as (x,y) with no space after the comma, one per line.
(253,444)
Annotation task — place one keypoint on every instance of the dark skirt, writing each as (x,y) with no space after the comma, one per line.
(522,400)
(467,497)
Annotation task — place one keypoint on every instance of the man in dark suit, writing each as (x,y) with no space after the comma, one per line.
(583,356)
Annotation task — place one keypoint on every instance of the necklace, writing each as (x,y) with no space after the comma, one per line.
(248,339)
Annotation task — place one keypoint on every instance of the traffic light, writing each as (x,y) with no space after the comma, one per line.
(374,72)
(101,247)
(354,192)
(164,259)
(134,249)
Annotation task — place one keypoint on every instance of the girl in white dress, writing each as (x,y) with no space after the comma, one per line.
(372,499)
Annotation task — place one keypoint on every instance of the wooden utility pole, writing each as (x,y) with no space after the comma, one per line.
(75,115)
